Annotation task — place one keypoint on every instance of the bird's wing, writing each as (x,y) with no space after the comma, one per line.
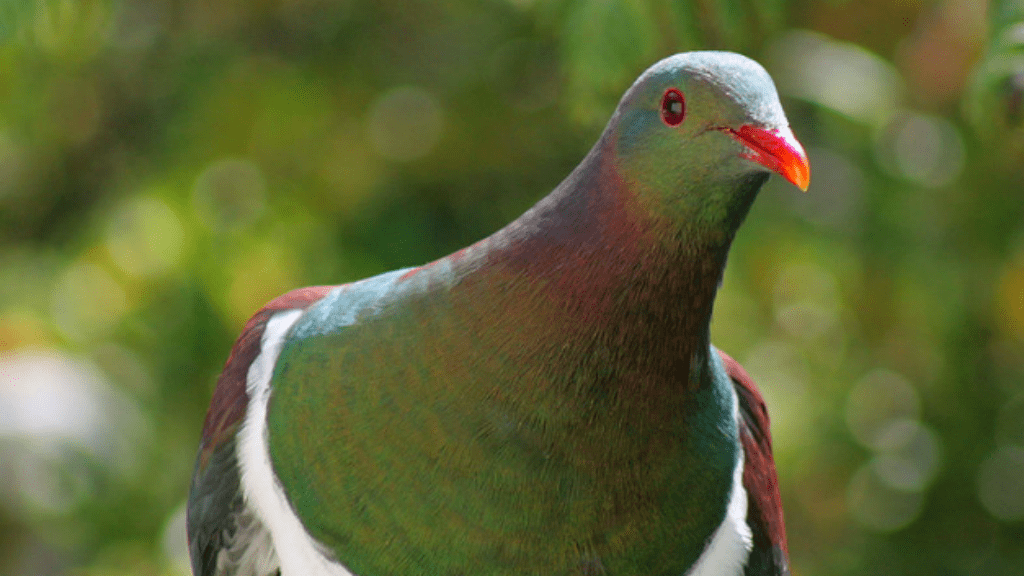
(770,556)
(225,538)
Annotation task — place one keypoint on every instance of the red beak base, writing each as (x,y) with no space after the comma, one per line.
(777,150)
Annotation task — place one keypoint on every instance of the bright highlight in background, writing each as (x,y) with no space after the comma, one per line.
(405,123)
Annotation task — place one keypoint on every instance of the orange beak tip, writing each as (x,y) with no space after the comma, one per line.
(779,151)
(802,179)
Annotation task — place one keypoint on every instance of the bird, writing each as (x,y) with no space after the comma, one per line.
(544,401)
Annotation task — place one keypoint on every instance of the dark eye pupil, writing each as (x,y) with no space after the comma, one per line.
(673,107)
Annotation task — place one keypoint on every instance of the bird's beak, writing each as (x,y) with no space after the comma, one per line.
(777,150)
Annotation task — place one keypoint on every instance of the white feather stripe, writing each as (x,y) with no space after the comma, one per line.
(727,552)
(297,552)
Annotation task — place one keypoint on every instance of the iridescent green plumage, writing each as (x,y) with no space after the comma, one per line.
(546,401)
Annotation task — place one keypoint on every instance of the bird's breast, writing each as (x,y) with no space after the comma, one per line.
(482,422)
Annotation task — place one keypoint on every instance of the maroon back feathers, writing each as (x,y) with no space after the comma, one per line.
(764,508)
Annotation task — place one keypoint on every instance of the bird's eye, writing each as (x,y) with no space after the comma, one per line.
(673,107)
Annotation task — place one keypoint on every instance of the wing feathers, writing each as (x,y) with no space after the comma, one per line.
(225,537)
(770,556)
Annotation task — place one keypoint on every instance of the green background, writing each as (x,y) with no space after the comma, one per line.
(167,167)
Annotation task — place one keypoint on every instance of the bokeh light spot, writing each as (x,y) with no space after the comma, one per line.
(912,456)
(806,298)
(924,149)
(877,504)
(405,123)
(839,75)
(878,400)
(229,193)
(56,407)
(1001,483)
(145,237)
(86,301)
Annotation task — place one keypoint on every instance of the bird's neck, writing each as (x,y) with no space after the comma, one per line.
(621,270)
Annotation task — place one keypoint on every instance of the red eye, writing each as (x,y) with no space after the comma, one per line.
(673,107)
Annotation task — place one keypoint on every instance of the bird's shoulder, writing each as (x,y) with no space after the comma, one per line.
(770,555)
(224,537)
(227,408)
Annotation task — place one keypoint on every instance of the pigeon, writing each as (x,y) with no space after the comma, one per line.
(544,401)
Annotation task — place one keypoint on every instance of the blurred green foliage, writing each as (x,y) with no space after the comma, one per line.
(166,167)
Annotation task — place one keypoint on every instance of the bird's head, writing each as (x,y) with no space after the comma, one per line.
(698,133)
